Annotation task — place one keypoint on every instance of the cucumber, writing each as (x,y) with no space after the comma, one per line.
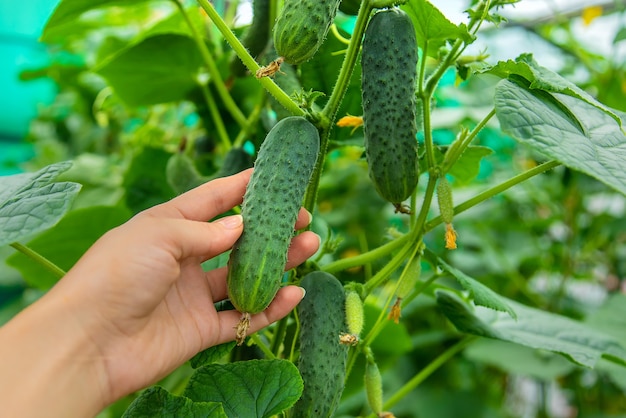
(256,37)
(322,361)
(388,80)
(302,27)
(270,208)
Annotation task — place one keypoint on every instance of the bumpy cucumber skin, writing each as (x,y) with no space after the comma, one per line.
(389,61)
(322,361)
(256,37)
(270,208)
(302,27)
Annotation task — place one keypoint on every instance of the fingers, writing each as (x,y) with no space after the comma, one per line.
(302,247)
(208,200)
(200,239)
(286,299)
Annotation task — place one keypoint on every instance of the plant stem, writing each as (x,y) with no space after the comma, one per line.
(215,115)
(383,273)
(39,259)
(489,193)
(264,348)
(362,259)
(456,150)
(426,372)
(214,72)
(248,60)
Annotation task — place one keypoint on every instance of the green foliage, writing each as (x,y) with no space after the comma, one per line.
(31,203)
(271,386)
(538,193)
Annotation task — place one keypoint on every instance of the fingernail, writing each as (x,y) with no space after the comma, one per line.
(310,216)
(303,291)
(231,222)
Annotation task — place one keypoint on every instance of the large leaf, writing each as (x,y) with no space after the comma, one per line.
(159,69)
(67,13)
(481,294)
(66,242)
(565,128)
(251,389)
(541,78)
(433,29)
(533,328)
(519,360)
(31,202)
(156,402)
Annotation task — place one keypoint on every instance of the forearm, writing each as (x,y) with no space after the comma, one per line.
(48,367)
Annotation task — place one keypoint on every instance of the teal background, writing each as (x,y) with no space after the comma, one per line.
(21,24)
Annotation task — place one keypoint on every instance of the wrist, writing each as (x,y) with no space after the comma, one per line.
(50,367)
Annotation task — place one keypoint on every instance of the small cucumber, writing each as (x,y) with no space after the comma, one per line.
(388,80)
(302,27)
(270,208)
(322,361)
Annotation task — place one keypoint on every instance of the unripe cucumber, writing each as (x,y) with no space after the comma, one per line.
(270,208)
(256,37)
(374,386)
(444,199)
(322,361)
(355,317)
(302,27)
(389,61)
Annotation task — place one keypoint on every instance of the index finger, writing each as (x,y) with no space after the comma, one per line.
(208,200)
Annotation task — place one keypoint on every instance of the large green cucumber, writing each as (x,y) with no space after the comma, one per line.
(302,27)
(256,36)
(322,361)
(270,208)
(389,61)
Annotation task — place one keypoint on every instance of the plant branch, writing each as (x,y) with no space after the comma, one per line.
(215,115)
(365,258)
(249,61)
(39,259)
(456,150)
(426,372)
(214,72)
(489,193)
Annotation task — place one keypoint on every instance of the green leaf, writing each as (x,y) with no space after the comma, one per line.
(66,242)
(533,328)
(159,69)
(467,167)
(156,402)
(598,149)
(519,360)
(433,29)
(253,388)
(145,181)
(541,78)
(481,294)
(211,354)
(31,202)
(68,11)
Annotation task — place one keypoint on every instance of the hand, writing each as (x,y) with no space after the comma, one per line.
(140,298)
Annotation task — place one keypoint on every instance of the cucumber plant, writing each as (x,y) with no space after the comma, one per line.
(347,127)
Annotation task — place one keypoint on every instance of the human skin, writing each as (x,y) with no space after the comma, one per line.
(135,307)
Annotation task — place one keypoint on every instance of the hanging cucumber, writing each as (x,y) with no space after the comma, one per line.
(270,208)
(302,27)
(322,361)
(389,61)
